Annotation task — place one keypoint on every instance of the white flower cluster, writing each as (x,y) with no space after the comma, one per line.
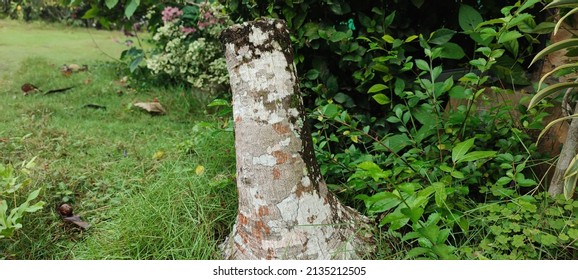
(196,60)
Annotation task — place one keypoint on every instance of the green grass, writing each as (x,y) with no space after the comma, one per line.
(130,175)
(62,44)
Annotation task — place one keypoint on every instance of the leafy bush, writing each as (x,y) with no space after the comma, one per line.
(565,177)
(527,227)
(386,136)
(188,47)
(13,186)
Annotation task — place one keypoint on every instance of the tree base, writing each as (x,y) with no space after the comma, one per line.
(344,235)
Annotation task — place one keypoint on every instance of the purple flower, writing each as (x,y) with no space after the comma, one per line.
(171,13)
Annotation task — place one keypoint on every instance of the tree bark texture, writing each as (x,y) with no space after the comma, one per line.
(285,209)
(566,155)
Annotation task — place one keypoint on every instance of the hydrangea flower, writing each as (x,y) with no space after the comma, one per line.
(171,13)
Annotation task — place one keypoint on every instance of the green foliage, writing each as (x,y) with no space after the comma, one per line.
(418,164)
(13,187)
(570,176)
(527,227)
(509,32)
(30,10)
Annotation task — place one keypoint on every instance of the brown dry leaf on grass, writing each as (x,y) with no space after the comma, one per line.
(29,88)
(154,108)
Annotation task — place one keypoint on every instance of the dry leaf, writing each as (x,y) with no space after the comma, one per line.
(67,70)
(29,88)
(154,108)
(159,155)
(199,170)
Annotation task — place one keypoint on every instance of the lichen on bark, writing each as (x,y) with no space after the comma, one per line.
(285,209)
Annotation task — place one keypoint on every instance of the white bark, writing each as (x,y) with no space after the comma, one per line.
(285,210)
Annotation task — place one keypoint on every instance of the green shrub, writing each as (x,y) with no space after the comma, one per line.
(188,47)
(14,186)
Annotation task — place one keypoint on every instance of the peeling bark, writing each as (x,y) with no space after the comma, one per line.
(285,210)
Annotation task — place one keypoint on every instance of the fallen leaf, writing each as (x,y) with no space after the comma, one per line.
(154,108)
(29,88)
(159,155)
(67,70)
(199,170)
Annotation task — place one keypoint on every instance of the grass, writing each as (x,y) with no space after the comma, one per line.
(132,176)
(61,43)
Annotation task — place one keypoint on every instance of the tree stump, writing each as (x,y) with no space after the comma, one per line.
(285,209)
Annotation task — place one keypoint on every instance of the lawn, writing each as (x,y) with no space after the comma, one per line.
(151,187)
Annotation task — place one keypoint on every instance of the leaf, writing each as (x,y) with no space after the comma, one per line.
(476,155)
(395,219)
(441,36)
(509,36)
(566,66)
(330,110)
(544,28)
(159,155)
(151,107)
(440,194)
(395,143)
(377,88)
(570,178)
(339,7)
(199,170)
(35,207)
(131,8)
(422,64)
(560,4)
(381,99)
(413,213)
(461,149)
(555,88)
(561,20)
(417,3)
(33,195)
(381,202)
(416,252)
(312,74)
(218,102)
(527,4)
(564,44)
(111,3)
(554,122)
(451,51)
(92,13)
(469,18)
(388,38)
(135,63)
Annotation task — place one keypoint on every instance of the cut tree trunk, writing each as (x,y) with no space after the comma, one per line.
(285,210)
